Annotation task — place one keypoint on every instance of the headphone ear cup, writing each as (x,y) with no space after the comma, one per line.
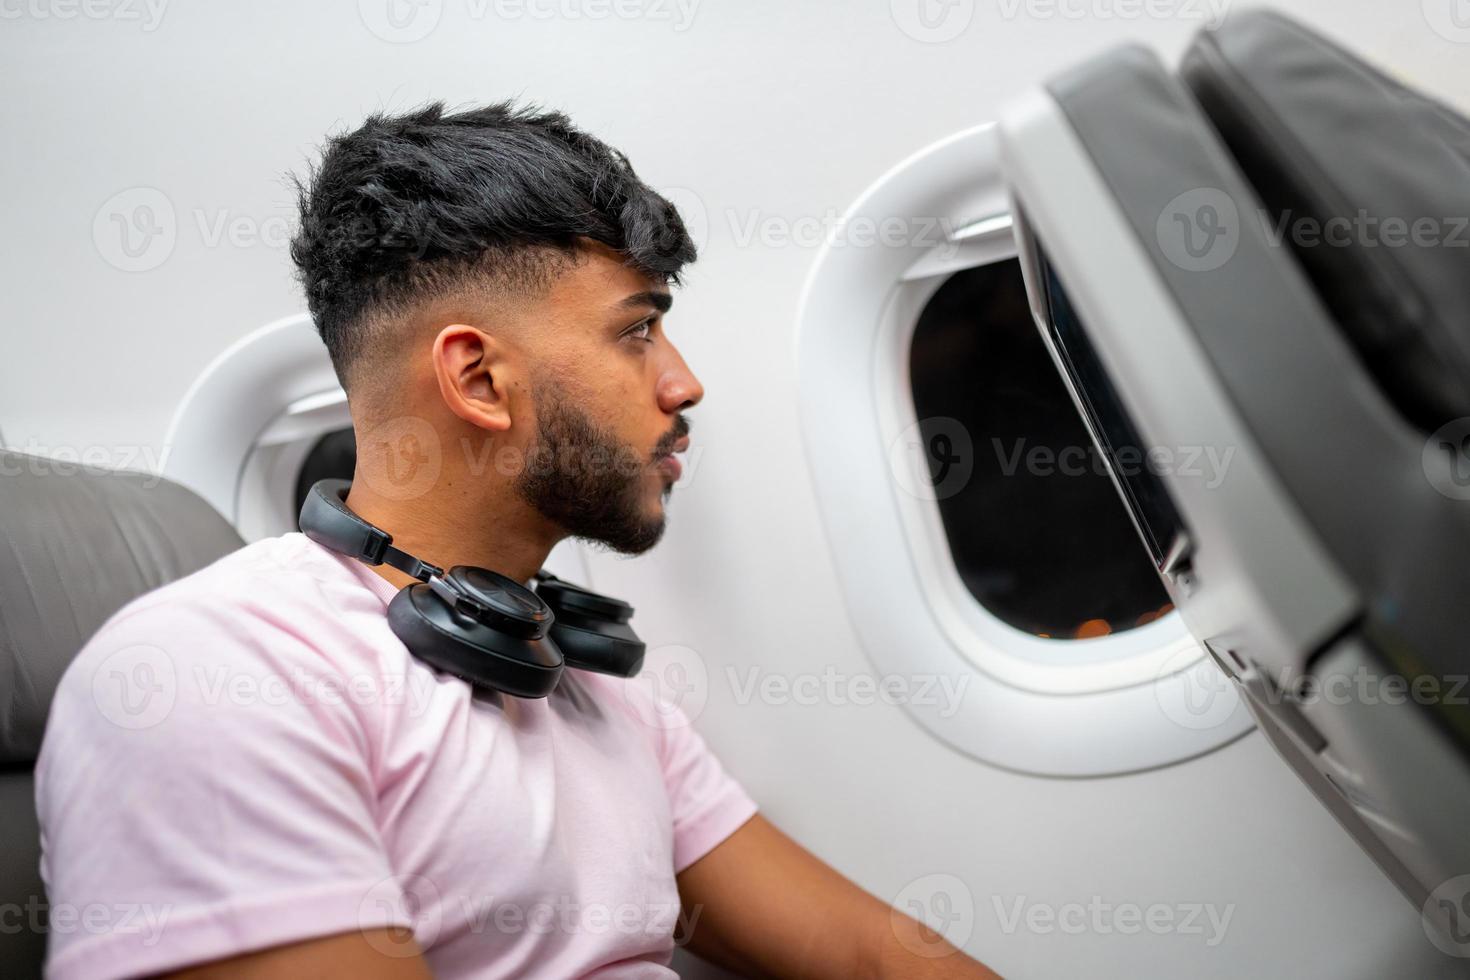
(606,648)
(470,650)
(592,630)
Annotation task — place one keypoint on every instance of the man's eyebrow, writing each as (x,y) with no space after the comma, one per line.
(657,299)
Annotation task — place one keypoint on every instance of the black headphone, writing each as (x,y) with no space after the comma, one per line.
(479,625)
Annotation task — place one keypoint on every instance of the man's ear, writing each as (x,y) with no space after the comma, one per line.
(475,374)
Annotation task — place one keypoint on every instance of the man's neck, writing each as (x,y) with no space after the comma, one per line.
(448,529)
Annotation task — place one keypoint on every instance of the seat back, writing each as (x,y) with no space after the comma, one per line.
(76,544)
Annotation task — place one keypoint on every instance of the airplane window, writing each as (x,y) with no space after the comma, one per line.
(332,458)
(1038,532)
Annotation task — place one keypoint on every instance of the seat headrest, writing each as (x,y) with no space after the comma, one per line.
(1368,182)
(78,543)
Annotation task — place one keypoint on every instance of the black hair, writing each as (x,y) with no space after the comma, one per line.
(410,207)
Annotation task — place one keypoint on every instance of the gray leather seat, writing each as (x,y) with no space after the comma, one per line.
(1322,134)
(75,546)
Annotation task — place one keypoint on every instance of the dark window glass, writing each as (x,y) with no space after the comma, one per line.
(1157,517)
(332,458)
(1038,532)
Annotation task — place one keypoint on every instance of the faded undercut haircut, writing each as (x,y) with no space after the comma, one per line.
(411,208)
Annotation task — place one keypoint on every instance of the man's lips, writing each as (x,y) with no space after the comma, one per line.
(669,463)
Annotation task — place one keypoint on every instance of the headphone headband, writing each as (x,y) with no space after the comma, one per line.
(327,520)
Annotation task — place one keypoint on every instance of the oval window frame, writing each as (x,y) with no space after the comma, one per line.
(1124,703)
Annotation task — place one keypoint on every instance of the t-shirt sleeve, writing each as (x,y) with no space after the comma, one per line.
(205,789)
(707,803)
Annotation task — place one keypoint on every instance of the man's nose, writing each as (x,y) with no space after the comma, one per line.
(678,388)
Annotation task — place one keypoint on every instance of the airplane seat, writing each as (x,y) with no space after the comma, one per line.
(79,544)
(1266,253)
(1322,135)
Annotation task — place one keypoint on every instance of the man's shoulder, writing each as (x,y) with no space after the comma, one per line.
(256,580)
(259,602)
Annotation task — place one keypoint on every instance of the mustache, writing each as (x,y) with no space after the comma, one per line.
(666,444)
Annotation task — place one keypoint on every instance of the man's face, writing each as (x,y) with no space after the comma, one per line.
(609,389)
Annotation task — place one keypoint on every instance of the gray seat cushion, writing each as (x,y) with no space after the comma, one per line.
(1323,136)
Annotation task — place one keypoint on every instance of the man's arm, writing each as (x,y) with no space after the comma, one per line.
(763,905)
(373,954)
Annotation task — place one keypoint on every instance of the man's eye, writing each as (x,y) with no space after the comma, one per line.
(641,332)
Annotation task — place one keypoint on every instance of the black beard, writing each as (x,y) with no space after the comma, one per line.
(581,477)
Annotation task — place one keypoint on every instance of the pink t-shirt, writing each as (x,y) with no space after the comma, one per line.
(249,757)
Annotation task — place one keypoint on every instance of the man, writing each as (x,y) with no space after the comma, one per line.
(312,800)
